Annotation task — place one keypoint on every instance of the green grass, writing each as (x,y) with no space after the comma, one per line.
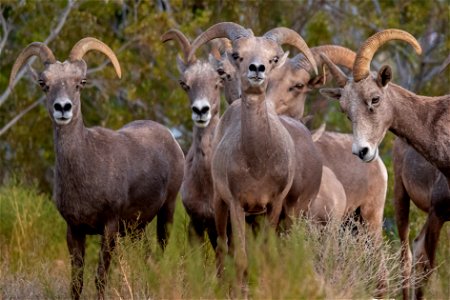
(307,263)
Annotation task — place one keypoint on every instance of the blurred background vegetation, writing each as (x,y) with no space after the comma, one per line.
(149,88)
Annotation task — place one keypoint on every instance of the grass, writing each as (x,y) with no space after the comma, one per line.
(307,263)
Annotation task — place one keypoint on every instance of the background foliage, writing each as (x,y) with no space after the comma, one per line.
(149,88)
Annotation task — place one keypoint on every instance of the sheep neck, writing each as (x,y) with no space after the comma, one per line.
(68,140)
(203,137)
(423,122)
(256,134)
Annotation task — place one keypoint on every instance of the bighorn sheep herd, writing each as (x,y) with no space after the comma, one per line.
(257,158)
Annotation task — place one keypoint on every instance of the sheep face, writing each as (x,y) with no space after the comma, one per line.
(202,84)
(365,104)
(227,72)
(287,89)
(62,83)
(254,58)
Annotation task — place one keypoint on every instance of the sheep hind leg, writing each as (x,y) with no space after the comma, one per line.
(76,242)
(196,232)
(165,220)
(424,252)
(401,208)
(107,247)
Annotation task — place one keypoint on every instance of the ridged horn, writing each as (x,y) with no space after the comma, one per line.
(229,30)
(37,48)
(361,68)
(175,34)
(338,55)
(338,75)
(87,44)
(283,35)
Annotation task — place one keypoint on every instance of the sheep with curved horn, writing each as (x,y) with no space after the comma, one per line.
(366,184)
(374,105)
(262,163)
(202,84)
(105,181)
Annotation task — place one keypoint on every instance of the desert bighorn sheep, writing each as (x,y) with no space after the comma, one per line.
(418,181)
(262,163)
(105,180)
(374,105)
(202,84)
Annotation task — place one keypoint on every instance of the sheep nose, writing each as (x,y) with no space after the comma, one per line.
(255,67)
(200,107)
(362,153)
(62,106)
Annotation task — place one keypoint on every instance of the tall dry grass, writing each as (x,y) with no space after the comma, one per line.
(308,263)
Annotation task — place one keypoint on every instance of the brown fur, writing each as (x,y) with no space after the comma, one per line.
(197,189)
(418,181)
(255,164)
(365,184)
(105,180)
(375,105)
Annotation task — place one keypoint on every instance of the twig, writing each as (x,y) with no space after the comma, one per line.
(6,29)
(53,34)
(20,115)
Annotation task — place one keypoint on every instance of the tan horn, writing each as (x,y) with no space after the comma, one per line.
(338,75)
(338,55)
(366,52)
(37,48)
(229,30)
(283,35)
(87,44)
(175,34)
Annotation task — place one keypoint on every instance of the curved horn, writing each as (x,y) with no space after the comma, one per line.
(339,55)
(338,75)
(87,44)
(366,52)
(283,35)
(228,30)
(36,48)
(175,34)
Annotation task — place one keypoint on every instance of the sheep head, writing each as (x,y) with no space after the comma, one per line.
(62,82)
(289,85)
(198,79)
(254,57)
(365,97)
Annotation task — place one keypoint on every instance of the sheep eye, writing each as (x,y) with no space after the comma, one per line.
(220,71)
(375,100)
(299,86)
(235,55)
(184,85)
(83,82)
(43,85)
(275,59)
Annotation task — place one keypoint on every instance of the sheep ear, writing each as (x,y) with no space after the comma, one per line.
(384,76)
(317,81)
(332,93)
(181,65)
(214,61)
